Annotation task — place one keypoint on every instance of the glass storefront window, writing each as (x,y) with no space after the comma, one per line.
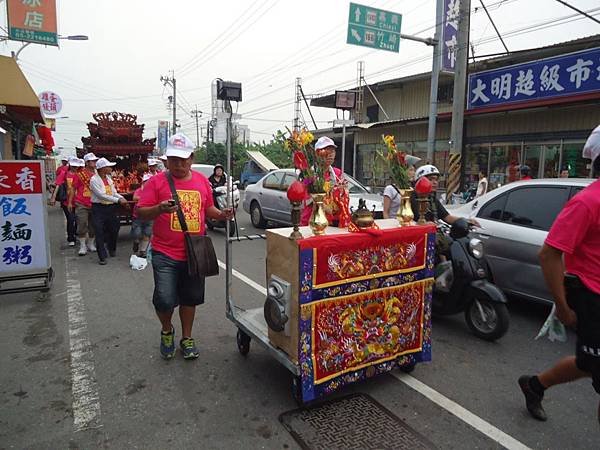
(551,161)
(578,167)
(477,159)
(504,164)
(532,156)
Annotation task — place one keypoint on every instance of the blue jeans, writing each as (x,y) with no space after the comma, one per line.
(141,228)
(172,284)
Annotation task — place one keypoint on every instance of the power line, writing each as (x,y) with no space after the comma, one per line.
(579,11)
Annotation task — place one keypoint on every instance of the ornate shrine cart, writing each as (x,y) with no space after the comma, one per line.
(118,137)
(343,307)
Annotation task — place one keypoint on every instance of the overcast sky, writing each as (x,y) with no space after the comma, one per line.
(264,44)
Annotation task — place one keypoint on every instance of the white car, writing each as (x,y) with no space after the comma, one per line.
(266,200)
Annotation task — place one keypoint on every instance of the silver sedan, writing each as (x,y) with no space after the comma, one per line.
(267,199)
(515,220)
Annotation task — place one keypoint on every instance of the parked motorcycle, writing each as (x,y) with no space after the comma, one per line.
(220,200)
(462,285)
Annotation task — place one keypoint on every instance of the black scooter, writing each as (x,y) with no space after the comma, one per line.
(462,285)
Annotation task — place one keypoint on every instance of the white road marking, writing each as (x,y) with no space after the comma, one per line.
(451,406)
(84,386)
(245,279)
(463,414)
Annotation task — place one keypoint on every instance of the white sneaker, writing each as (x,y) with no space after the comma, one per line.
(90,245)
(72,244)
(82,249)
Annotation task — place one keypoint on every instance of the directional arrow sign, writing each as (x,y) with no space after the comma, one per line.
(375,28)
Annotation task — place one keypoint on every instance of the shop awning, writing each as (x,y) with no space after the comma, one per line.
(16,94)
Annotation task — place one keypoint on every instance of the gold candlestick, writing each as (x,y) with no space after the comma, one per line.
(423,207)
(296,212)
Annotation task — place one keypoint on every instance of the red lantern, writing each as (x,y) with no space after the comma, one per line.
(423,186)
(296,192)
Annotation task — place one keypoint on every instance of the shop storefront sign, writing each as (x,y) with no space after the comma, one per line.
(32,21)
(574,74)
(449,34)
(50,102)
(23,232)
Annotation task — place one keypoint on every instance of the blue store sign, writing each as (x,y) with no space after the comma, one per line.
(559,76)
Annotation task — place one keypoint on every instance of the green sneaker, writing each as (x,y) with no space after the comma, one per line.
(188,348)
(167,344)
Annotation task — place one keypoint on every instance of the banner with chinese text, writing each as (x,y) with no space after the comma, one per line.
(23,239)
(449,34)
(574,74)
(32,21)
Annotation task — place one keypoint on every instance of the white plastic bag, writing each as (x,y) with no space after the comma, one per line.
(137,263)
(553,328)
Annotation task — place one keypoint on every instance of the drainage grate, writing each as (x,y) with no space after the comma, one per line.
(356,421)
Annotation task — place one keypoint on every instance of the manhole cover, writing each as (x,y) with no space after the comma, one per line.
(353,422)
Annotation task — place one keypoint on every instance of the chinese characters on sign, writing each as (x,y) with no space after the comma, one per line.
(50,102)
(23,243)
(559,76)
(371,27)
(449,33)
(32,21)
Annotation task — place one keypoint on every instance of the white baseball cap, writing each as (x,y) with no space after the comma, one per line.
(65,158)
(74,161)
(591,149)
(89,157)
(152,162)
(324,142)
(103,162)
(179,146)
(146,177)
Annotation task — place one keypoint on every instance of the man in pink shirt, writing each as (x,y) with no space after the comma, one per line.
(570,260)
(173,286)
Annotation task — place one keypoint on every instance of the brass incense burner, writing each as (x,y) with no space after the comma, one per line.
(362,217)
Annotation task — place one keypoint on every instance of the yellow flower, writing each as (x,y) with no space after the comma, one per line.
(326,186)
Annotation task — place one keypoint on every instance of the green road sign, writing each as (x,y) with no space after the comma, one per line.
(376,28)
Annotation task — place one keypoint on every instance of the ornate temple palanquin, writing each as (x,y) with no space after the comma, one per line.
(360,303)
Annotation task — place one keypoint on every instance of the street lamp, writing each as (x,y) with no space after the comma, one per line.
(75,37)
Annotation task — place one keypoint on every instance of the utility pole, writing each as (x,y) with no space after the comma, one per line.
(435,75)
(297,105)
(197,114)
(458,106)
(173,83)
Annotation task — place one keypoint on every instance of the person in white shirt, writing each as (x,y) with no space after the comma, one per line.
(105,200)
(482,186)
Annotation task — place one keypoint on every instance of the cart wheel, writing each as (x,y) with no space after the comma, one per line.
(297,390)
(408,368)
(243,342)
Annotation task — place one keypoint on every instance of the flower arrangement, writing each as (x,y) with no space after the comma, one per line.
(397,160)
(308,161)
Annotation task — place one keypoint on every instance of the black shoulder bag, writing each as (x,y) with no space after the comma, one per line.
(201,257)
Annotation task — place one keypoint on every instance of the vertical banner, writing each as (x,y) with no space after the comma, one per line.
(23,231)
(161,142)
(32,21)
(449,34)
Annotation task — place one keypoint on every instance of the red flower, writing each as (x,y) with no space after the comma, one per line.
(400,157)
(300,161)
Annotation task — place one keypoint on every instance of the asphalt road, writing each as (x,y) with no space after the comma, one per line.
(92,346)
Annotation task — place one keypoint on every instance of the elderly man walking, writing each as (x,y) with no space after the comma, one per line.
(173,286)
(570,260)
(105,200)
